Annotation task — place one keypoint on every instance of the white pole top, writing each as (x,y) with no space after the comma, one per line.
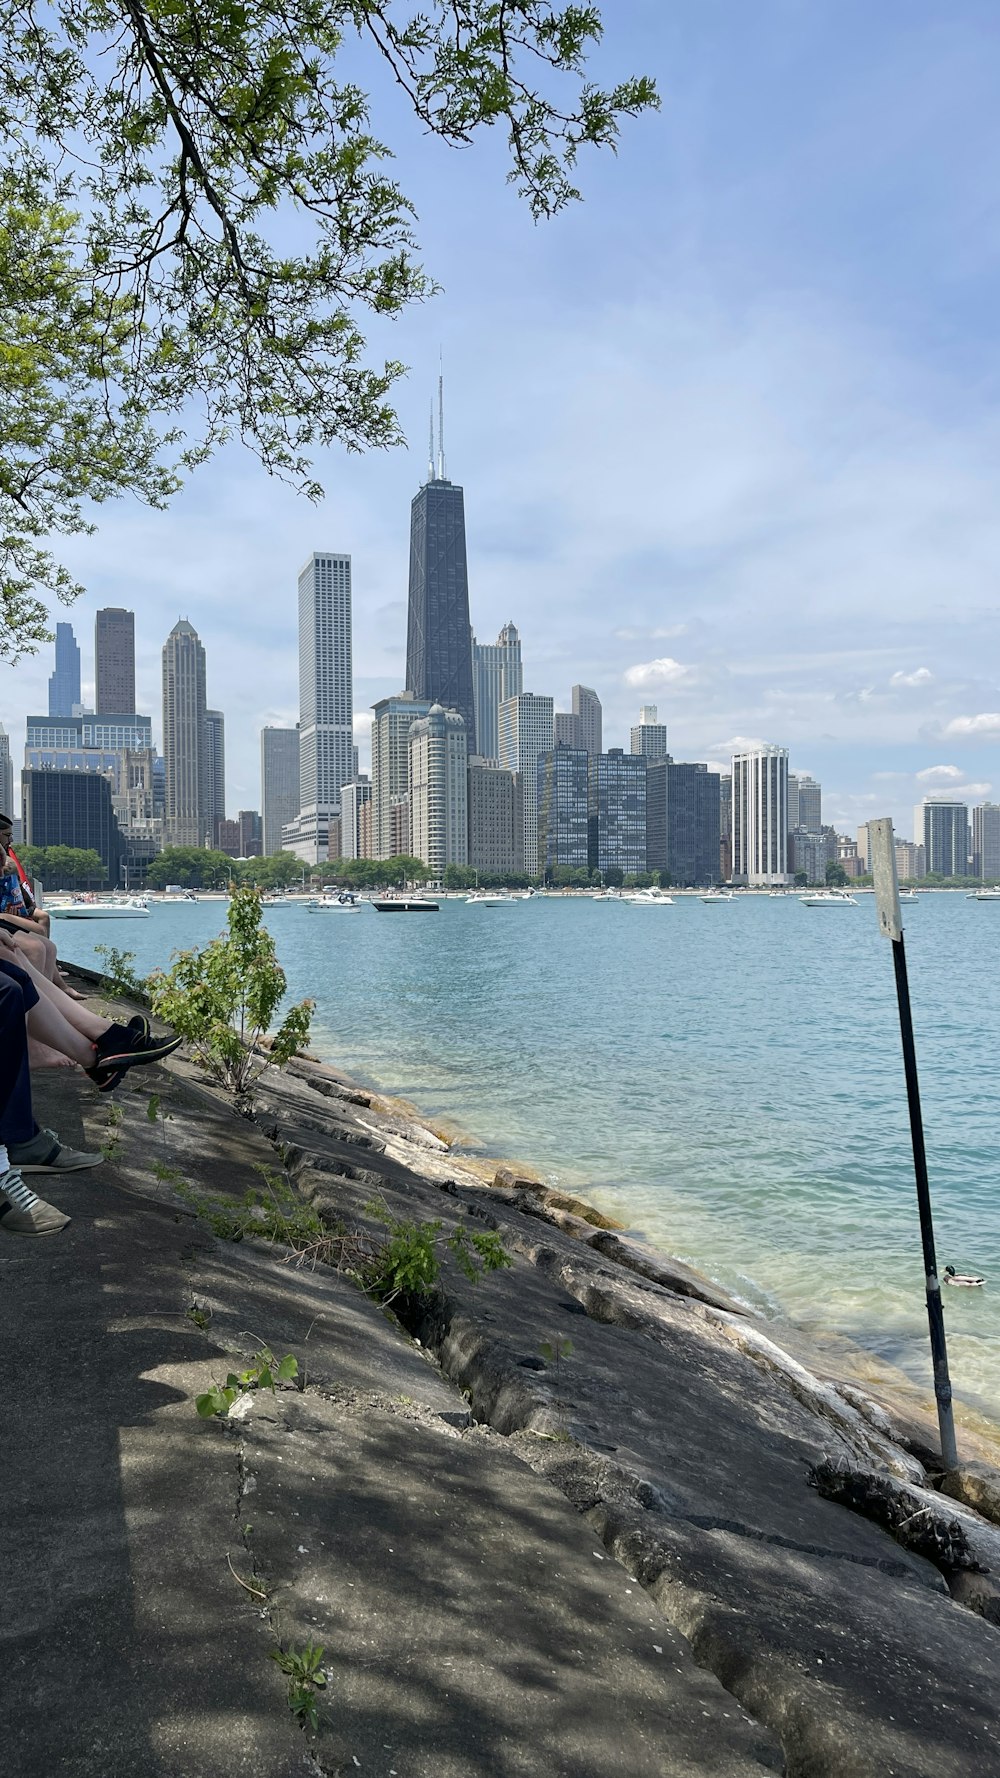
(882,856)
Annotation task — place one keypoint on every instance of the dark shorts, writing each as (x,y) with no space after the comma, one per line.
(22,980)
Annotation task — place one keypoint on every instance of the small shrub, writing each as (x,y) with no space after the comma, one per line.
(222,1000)
(408,1264)
(119,978)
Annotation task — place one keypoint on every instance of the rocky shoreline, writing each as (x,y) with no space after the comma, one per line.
(611,1527)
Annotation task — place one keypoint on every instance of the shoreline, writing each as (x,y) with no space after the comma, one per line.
(828,1352)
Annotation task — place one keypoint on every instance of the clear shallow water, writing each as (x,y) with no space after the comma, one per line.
(726,1080)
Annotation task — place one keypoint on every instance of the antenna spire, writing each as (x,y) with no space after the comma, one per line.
(441,469)
(430,458)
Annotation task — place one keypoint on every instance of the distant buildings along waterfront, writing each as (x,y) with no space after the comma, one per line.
(114,660)
(497,675)
(279,783)
(564,809)
(525,734)
(355,831)
(683,821)
(496,819)
(64,681)
(184,738)
(392,720)
(215,774)
(326,704)
(439,818)
(985,841)
(942,828)
(586,706)
(71,808)
(649,736)
(438,629)
(760,816)
(617,812)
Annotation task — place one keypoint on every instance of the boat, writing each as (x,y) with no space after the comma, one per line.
(648,898)
(608,895)
(713,895)
(344,903)
(403,904)
(276,901)
(908,895)
(134,907)
(485,898)
(830,898)
(983,895)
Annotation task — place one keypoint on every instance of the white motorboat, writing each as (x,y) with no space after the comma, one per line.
(403,904)
(344,903)
(648,898)
(908,895)
(714,895)
(134,907)
(830,898)
(485,898)
(984,895)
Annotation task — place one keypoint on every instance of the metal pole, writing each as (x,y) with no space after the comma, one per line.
(883,860)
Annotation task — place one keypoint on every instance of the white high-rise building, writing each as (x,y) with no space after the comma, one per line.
(185,749)
(650,735)
(496,674)
(326,702)
(353,797)
(439,808)
(279,784)
(525,733)
(391,724)
(760,815)
(6,776)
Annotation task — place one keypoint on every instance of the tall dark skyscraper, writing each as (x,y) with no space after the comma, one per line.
(438,631)
(114,661)
(64,683)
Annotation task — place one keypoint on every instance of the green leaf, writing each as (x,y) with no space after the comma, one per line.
(288,1368)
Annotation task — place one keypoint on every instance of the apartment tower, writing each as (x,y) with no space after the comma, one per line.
(525,734)
(326,700)
(497,675)
(439,786)
(279,783)
(760,815)
(185,749)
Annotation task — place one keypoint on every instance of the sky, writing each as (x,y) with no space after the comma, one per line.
(728,430)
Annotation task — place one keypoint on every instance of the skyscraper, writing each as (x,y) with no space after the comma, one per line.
(114,661)
(942,828)
(587,706)
(650,736)
(326,701)
(73,809)
(6,776)
(354,797)
(525,733)
(439,789)
(215,774)
(496,819)
(563,809)
(567,730)
(497,674)
(985,839)
(617,812)
(682,821)
(393,719)
(805,802)
(760,815)
(279,783)
(438,631)
(185,751)
(64,683)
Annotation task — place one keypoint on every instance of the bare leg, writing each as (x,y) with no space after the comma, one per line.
(47,1025)
(31,948)
(80,1017)
(41,1056)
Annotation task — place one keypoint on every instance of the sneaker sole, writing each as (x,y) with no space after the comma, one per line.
(9,1228)
(79,1166)
(136,1058)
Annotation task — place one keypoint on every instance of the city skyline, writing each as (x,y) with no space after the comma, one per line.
(736,463)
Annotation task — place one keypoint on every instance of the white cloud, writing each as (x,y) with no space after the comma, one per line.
(921,677)
(939,774)
(987,724)
(650,674)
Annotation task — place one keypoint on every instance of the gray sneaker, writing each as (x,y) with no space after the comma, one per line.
(46,1154)
(21,1213)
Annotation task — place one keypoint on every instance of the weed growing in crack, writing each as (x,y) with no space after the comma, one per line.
(554,1352)
(264,1373)
(111,1146)
(201,1317)
(304,1668)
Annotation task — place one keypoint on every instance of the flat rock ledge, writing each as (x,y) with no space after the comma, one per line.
(582,1519)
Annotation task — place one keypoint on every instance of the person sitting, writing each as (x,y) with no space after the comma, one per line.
(20,918)
(104,1050)
(21,1211)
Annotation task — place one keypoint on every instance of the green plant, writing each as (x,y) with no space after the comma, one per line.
(554,1351)
(408,1263)
(304,1668)
(167,1175)
(263,1373)
(223,999)
(201,1317)
(119,978)
(111,1146)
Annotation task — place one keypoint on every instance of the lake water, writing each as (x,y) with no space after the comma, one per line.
(725,1080)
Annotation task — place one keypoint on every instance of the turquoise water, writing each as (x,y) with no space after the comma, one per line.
(726,1080)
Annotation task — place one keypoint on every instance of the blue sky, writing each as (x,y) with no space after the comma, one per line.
(728,430)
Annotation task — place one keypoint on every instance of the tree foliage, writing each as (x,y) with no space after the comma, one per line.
(192,867)
(159,159)
(64,867)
